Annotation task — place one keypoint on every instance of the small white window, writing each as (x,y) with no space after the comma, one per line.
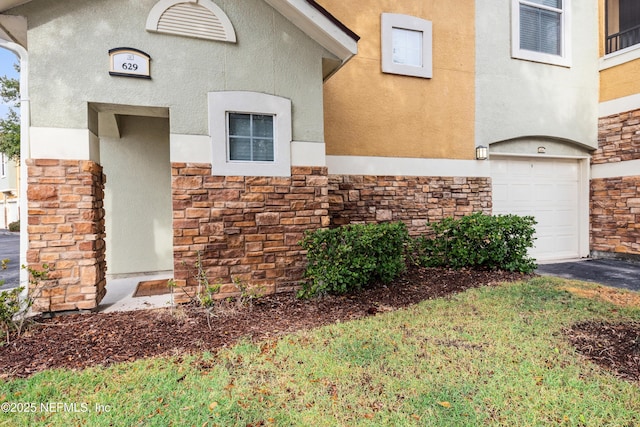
(541,31)
(250,137)
(406,45)
(250,134)
(3,165)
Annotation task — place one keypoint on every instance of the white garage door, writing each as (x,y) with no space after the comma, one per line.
(547,189)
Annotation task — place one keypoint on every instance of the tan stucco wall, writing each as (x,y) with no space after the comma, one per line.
(368,113)
(68,43)
(601,27)
(620,81)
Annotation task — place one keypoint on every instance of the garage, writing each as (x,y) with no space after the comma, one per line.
(552,191)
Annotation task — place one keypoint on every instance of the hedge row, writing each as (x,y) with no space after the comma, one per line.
(351,257)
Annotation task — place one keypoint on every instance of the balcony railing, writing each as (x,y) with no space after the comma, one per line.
(623,39)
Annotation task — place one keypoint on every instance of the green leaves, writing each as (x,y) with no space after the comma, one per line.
(10,125)
(479,241)
(10,135)
(348,258)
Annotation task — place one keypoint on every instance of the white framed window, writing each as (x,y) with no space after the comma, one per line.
(250,137)
(407,44)
(3,165)
(250,134)
(541,31)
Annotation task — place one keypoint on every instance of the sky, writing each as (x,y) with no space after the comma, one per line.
(7,59)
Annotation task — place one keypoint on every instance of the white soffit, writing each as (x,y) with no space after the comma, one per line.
(13,29)
(317,26)
(8,4)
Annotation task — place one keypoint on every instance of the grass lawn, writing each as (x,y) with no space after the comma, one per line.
(488,356)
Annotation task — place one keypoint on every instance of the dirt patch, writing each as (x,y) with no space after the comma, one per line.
(611,295)
(614,346)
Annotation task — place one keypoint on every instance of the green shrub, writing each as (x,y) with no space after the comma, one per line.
(10,307)
(14,226)
(479,241)
(350,257)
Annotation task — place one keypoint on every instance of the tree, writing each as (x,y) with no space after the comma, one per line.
(10,125)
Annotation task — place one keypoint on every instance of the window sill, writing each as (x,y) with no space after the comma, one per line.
(620,57)
(543,58)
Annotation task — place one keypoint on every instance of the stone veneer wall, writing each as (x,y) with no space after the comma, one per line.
(615,202)
(66,231)
(615,215)
(413,200)
(246,228)
(618,138)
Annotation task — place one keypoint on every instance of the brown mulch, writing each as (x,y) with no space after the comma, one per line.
(614,346)
(78,341)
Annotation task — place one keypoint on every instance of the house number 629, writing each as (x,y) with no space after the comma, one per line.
(129,66)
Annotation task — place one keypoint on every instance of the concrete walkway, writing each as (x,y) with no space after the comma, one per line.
(120,297)
(619,274)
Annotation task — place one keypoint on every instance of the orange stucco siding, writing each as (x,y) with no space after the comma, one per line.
(370,113)
(620,81)
(601,27)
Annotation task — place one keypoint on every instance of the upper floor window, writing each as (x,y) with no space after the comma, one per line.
(622,24)
(406,45)
(541,31)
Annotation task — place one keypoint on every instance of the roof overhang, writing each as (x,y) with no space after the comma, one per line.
(13,29)
(8,4)
(322,27)
(307,15)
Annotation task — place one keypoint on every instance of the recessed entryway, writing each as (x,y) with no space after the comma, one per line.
(138,209)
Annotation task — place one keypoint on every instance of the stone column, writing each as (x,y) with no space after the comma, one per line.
(66,232)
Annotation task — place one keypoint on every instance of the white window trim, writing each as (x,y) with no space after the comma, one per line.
(389,21)
(564,59)
(221,103)
(620,57)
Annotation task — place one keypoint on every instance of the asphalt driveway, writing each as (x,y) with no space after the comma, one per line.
(619,274)
(10,249)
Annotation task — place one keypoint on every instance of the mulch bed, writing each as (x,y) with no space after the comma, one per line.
(614,346)
(78,341)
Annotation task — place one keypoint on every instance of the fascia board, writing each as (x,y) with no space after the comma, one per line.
(317,26)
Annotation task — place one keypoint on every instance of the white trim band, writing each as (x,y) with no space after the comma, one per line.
(189,148)
(64,143)
(619,105)
(305,153)
(615,170)
(397,166)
